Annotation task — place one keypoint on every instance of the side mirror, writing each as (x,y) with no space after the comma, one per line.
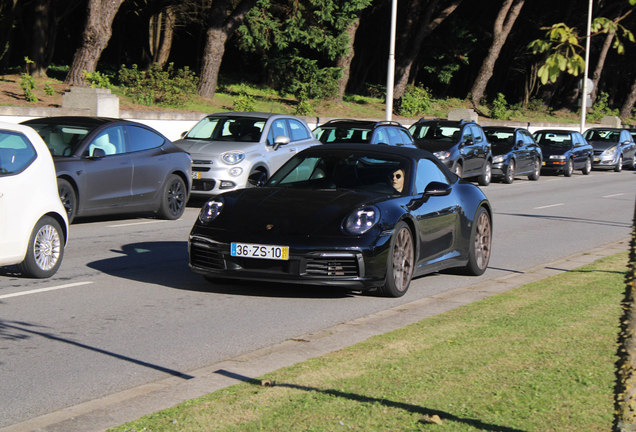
(519,143)
(280,140)
(435,188)
(183,134)
(98,153)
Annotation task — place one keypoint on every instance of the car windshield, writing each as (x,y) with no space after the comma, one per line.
(344,170)
(62,139)
(502,138)
(247,129)
(342,134)
(554,139)
(601,135)
(435,132)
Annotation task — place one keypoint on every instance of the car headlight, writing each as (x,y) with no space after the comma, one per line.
(442,155)
(232,158)
(211,210)
(610,151)
(561,157)
(362,220)
(498,159)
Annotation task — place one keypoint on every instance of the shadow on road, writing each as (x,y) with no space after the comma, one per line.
(166,264)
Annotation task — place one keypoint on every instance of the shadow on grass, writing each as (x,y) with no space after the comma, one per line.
(415,409)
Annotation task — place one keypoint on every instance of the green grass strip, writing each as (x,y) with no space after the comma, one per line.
(536,358)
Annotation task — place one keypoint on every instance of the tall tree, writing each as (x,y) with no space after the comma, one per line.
(421,18)
(344,61)
(97,33)
(9,11)
(161,34)
(503,24)
(222,23)
(596,75)
(46,16)
(626,109)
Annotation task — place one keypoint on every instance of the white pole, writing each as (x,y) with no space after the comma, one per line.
(390,78)
(587,61)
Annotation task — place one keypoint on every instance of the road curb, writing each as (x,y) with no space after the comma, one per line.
(119,408)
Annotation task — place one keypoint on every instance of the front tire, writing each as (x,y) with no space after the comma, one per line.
(480,244)
(400,263)
(68,198)
(510,172)
(537,171)
(457,169)
(46,250)
(588,166)
(569,168)
(484,178)
(619,165)
(173,198)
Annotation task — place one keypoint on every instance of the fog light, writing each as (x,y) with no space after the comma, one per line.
(235,172)
(227,185)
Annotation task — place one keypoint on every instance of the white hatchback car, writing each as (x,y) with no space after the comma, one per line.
(33,224)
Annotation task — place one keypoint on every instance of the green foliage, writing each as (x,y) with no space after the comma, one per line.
(303,108)
(499,110)
(155,86)
(600,109)
(48,90)
(449,51)
(27,83)
(97,80)
(304,79)
(244,103)
(416,101)
(562,45)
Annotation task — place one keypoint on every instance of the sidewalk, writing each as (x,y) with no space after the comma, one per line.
(119,408)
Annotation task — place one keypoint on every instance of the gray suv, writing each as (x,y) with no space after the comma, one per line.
(235,150)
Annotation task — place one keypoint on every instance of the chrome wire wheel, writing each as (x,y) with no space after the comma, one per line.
(403,260)
(483,240)
(47,247)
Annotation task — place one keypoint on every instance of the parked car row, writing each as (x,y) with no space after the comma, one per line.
(340,192)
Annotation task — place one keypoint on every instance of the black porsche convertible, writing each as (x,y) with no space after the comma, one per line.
(354,216)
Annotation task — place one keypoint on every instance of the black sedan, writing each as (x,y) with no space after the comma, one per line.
(564,151)
(106,166)
(514,152)
(351,215)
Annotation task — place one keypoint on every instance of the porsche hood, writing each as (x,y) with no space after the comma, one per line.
(280,211)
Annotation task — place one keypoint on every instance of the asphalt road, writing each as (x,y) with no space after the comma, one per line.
(124,310)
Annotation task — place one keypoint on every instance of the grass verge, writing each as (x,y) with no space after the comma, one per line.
(537,358)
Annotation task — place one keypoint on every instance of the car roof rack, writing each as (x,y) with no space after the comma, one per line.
(429,118)
(388,122)
(462,121)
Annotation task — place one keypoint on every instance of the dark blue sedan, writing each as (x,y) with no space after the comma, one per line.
(515,153)
(564,151)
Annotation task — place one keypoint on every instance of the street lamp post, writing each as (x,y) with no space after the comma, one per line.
(391,69)
(587,60)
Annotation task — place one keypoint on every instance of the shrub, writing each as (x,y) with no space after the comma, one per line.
(303,108)
(415,102)
(245,103)
(48,90)
(155,86)
(27,83)
(97,80)
(302,78)
(600,109)
(499,110)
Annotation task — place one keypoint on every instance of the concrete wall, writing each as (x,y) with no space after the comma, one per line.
(172,124)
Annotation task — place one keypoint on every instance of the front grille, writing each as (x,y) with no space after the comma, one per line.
(200,169)
(598,152)
(203,185)
(204,256)
(333,266)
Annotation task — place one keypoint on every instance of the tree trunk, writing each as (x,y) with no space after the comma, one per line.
(220,27)
(626,110)
(344,62)
(596,76)
(40,44)
(8,11)
(625,386)
(97,32)
(411,45)
(503,24)
(161,34)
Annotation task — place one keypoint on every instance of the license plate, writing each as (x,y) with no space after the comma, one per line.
(248,250)
(597,159)
(196,175)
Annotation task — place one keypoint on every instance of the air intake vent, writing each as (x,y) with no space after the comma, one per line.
(333,266)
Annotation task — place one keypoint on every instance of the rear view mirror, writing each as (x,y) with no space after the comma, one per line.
(280,140)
